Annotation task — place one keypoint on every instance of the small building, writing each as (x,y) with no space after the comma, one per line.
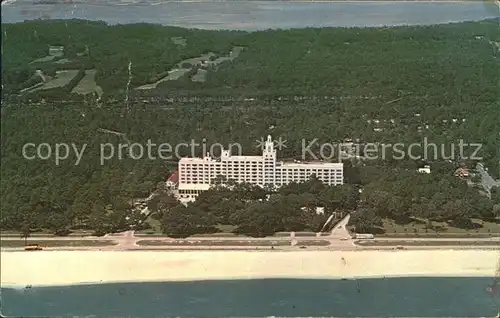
(173,180)
(56,51)
(425,169)
(462,172)
(319,210)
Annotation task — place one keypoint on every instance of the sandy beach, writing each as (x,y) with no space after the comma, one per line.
(56,268)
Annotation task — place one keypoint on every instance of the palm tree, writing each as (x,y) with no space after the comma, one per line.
(25,232)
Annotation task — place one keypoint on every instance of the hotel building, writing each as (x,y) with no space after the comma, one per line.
(197,174)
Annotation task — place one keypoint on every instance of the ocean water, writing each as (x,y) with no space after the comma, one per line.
(254,15)
(382,297)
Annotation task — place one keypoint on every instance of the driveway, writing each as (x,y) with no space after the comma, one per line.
(486,180)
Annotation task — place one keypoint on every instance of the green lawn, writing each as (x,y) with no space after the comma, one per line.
(181,69)
(439,229)
(225,230)
(200,76)
(234,242)
(62,61)
(215,243)
(87,84)
(56,243)
(313,243)
(179,41)
(154,230)
(172,75)
(299,234)
(47,58)
(76,233)
(61,79)
(18,234)
(428,243)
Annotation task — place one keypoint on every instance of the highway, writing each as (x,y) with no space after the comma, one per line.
(339,239)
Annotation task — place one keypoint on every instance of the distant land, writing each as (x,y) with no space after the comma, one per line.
(132,2)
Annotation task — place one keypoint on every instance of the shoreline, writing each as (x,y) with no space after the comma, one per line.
(63,268)
(261,249)
(202,280)
(118,3)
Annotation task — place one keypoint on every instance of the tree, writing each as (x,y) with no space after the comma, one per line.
(28,222)
(495,195)
(181,221)
(161,204)
(476,178)
(259,220)
(25,233)
(365,220)
(496,210)
(351,173)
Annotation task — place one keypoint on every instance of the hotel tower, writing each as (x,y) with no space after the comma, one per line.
(198,174)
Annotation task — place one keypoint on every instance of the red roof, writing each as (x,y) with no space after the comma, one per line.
(174,177)
(462,172)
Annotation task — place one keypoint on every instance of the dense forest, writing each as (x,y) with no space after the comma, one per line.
(94,45)
(90,195)
(386,193)
(368,85)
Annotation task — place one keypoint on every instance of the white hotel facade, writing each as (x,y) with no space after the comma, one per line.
(197,174)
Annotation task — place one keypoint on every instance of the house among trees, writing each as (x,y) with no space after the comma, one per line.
(462,172)
(425,169)
(173,180)
(56,50)
(319,210)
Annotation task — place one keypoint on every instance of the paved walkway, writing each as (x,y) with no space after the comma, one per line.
(339,237)
(486,180)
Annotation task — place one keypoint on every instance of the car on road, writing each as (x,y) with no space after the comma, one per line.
(33,247)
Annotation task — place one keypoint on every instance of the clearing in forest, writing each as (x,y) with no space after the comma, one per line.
(179,41)
(87,84)
(61,79)
(204,62)
(44,59)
